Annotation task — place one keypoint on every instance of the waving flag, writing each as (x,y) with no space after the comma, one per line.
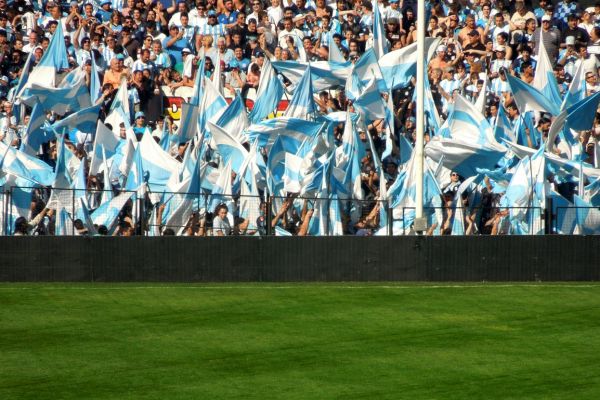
(270,91)
(324,74)
(544,79)
(234,119)
(303,104)
(84,120)
(294,132)
(231,150)
(529,98)
(588,217)
(577,88)
(53,60)
(399,66)
(379,40)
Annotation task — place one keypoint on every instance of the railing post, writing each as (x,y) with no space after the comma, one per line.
(268,217)
(549,224)
(390,219)
(73,209)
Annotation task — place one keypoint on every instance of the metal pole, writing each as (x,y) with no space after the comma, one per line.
(420,222)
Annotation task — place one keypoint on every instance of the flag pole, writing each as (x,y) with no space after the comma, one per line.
(420,223)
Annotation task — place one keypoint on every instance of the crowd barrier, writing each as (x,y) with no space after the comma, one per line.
(273,259)
(191,214)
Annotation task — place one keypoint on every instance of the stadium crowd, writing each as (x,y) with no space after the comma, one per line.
(158,49)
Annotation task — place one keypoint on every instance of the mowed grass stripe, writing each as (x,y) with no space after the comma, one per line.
(305,342)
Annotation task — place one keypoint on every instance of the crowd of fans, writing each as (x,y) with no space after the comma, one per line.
(157,46)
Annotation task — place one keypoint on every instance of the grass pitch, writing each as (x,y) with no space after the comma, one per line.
(296,341)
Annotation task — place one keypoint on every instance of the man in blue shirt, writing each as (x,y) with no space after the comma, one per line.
(229,16)
(174,43)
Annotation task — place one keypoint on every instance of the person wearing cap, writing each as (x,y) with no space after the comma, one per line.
(447,87)
(569,56)
(174,43)
(474,46)
(105,11)
(393,11)
(139,126)
(214,28)
(587,21)
(552,37)
(500,62)
(439,61)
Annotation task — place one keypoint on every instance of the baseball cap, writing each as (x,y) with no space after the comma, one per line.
(186,50)
(211,13)
(441,48)
(570,41)
(546,18)
(474,32)
(140,114)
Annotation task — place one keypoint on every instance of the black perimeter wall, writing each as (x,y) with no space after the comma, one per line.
(272,259)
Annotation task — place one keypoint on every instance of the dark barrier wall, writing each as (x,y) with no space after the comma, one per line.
(244,259)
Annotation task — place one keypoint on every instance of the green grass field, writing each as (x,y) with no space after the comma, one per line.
(296,341)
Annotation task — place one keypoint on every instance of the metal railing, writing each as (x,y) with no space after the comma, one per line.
(41,211)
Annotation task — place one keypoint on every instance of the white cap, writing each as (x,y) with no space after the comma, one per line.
(441,48)
(570,41)
(546,18)
(499,48)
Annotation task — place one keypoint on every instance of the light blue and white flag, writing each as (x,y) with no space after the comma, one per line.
(84,120)
(399,66)
(303,104)
(188,123)
(544,79)
(292,176)
(212,103)
(324,74)
(577,88)
(105,140)
(293,131)
(54,59)
(268,96)
(234,119)
(106,215)
(529,98)
(156,166)
(463,157)
(35,135)
(231,150)
(380,45)
(95,83)
(588,217)
(370,104)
